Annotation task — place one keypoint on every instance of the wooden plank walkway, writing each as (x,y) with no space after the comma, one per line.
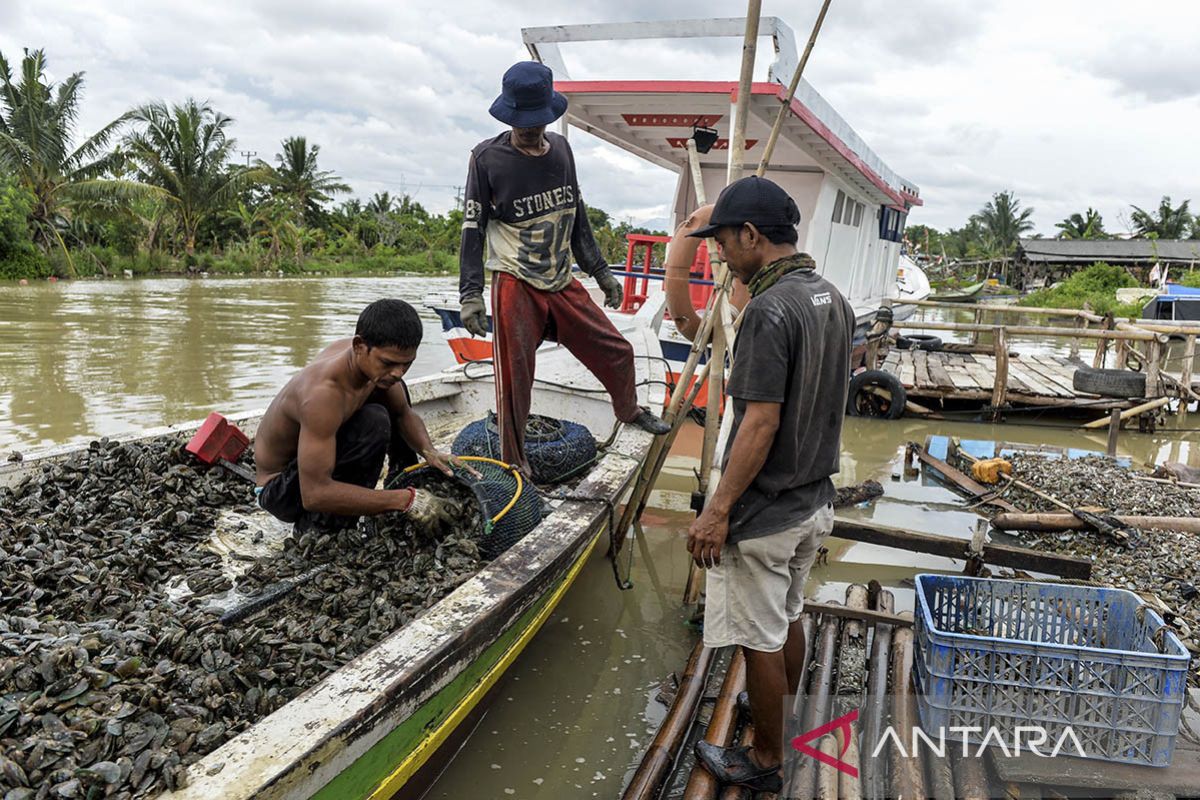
(1034,379)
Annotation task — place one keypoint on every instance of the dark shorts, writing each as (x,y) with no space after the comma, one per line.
(363,442)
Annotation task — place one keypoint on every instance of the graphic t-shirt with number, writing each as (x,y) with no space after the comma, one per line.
(532,213)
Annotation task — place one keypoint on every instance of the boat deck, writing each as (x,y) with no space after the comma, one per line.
(1035,379)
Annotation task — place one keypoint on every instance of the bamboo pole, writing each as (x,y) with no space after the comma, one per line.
(827,774)
(999,309)
(970,778)
(785,109)
(1031,330)
(953,547)
(701,784)
(1052,521)
(737,139)
(1158,402)
(865,615)
(680,403)
(850,686)
(849,787)
(908,780)
(875,769)
(672,733)
(676,413)
(801,780)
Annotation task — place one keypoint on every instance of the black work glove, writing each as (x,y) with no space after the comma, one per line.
(612,290)
(474,316)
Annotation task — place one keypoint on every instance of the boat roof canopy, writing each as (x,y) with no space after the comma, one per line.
(654,118)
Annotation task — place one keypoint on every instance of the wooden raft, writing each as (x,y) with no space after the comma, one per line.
(858,661)
(1032,379)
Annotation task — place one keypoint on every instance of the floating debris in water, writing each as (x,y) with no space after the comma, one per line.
(108,686)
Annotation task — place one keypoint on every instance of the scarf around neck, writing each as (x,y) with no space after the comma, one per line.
(769,275)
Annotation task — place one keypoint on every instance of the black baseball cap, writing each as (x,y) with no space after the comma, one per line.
(751,199)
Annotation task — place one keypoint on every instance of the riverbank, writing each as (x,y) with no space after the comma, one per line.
(98,262)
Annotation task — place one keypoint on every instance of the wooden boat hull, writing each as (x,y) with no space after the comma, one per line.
(376,727)
(965,295)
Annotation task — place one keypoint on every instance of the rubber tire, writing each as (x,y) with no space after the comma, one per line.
(919,341)
(1110,382)
(864,408)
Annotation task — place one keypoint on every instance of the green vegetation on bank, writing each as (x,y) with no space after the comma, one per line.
(1095,286)
(157,190)
(993,231)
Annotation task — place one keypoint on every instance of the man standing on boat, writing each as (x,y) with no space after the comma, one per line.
(320,446)
(523,194)
(759,534)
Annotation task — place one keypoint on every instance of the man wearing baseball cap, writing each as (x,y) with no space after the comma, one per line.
(522,194)
(758,536)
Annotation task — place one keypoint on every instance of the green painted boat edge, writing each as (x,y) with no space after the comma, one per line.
(373,767)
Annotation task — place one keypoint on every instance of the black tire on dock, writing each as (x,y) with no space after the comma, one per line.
(1109,382)
(864,401)
(919,341)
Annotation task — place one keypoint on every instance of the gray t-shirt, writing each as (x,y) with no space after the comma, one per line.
(793,348)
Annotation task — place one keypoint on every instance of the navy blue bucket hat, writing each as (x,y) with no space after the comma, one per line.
(527,97)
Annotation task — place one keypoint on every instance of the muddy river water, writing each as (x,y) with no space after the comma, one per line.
(572,716)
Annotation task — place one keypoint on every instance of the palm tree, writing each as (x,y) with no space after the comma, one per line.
(1003,221)
(298,179)
(1167,221)
(184,150)
(37,133)
(380,203)
(1088,226)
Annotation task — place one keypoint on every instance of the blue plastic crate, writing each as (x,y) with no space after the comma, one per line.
(1003,654)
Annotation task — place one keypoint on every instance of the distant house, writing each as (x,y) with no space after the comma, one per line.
(1051,260)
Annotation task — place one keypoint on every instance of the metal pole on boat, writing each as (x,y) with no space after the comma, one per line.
(737,139)
(791,93)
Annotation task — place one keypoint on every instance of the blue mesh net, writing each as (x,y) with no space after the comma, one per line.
(556,449)
(483,499)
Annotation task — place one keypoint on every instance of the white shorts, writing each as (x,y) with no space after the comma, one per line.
(758,588)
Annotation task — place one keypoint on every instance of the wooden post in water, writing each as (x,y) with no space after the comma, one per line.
(1081,322)
(1000,385)
(1153,366)
(1185,377)
(975,334)
(1122,355)
(1102,346)
(1114,430)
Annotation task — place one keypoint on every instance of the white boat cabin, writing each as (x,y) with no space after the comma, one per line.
(853,207)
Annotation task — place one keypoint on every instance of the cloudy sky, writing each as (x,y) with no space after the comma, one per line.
(1067,103)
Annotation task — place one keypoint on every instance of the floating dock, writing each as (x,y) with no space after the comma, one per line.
(1032,379)
(996,378)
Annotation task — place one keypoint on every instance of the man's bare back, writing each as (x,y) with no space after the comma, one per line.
(278,437)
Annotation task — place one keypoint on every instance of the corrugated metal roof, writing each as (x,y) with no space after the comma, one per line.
(1062,251)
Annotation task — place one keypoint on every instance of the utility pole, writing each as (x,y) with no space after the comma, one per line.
(458,197)
(248,154)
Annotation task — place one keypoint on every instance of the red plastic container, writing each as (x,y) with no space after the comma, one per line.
(217,438)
